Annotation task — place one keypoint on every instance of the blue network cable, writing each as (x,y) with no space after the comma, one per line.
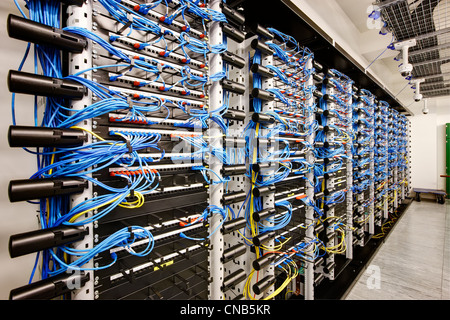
(208,212)
(124,238)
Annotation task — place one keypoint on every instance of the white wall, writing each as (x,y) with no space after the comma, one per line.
(15,163)
(423,151)
(428,143)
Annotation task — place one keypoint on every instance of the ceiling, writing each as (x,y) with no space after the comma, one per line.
(427,21)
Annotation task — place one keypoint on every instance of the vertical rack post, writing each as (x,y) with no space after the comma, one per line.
(215,190)
(372,166)
(408,159)
(401,158)
(309,210)
(348,149)
(330,234)
(238,182)
(268,201)
(359,196)
(385,113)
(395,147)
(82,17)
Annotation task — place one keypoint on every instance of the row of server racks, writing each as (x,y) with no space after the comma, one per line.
(183,154)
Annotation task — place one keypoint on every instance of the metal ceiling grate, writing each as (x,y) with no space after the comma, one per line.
(427,21)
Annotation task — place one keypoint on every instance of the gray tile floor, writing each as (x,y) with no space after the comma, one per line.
(414,262)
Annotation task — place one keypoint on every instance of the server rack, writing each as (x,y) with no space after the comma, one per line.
(209,158)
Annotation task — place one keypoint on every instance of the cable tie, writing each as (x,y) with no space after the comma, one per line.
(130,104)
(126,26)
(129,185)
(129,146)
(187,38)
(130,230)
(125,70)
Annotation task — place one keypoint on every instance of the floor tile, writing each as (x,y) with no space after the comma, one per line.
(414,261)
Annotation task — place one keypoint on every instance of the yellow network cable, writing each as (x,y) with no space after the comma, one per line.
(313,249)
(98,137)
(287,292)
(388,224)
(367,217)
(88,131)
(264,247)
(50,172)
(291,274)
(139,202)
(384,228)
(382,185)
(277,247)
(247,292)
(336,217)
(395,196)
(346,137)
(124,204)
(380,206)
(323,189)
(75,217)
(309,225)
(284,121)
(341,247)
(280,163)
(253,226)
